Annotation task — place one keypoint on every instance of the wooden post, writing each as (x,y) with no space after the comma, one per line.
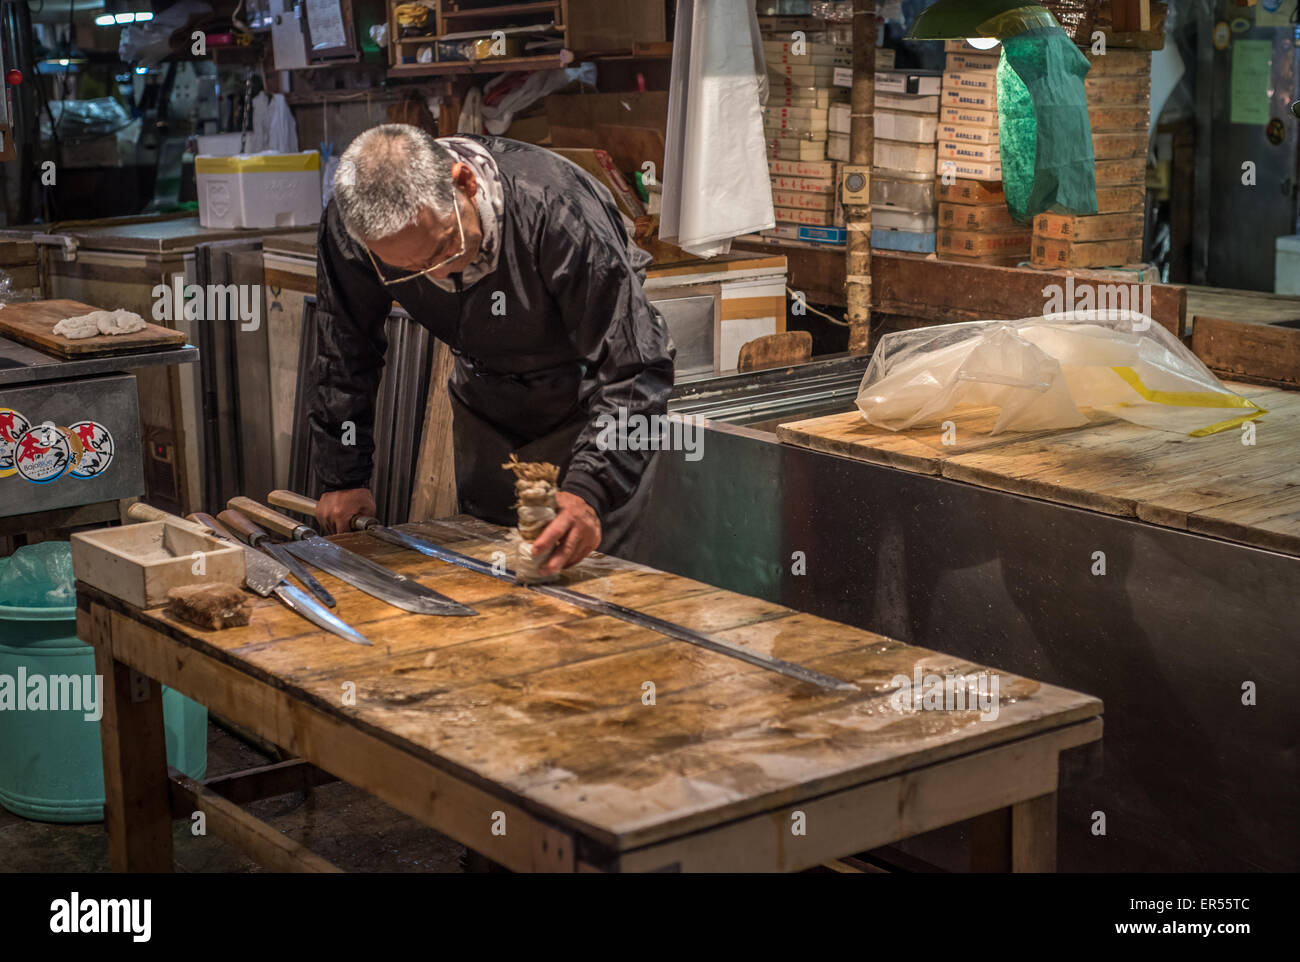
(137,811)
(861,147)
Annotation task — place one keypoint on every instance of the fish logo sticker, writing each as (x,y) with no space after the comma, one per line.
(42,454)
(97,442)
(12,426)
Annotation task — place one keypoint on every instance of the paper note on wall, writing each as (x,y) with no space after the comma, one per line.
(325,20)
(1252,61)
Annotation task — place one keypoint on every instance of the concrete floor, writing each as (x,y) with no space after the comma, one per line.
(350,828)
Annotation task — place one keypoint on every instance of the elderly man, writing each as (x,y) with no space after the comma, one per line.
(522,264)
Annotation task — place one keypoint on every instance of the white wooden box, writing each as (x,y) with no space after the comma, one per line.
(140,563)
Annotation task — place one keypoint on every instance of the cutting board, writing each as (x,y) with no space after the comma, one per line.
(32,323)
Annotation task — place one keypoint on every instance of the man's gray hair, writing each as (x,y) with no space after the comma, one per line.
(386,176)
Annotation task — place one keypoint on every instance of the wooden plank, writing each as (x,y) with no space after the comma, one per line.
(269,847)
(32,323)
(775,350)
(1110,466)
(949,292)
(137,815)
(440,800)
(907,805)
(267,781)
(1261,352)
(433,490)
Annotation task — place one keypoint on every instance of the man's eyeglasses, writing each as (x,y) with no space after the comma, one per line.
(460,251)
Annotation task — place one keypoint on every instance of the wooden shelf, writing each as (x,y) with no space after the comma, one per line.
(450,19)
(503,11)
(492,65)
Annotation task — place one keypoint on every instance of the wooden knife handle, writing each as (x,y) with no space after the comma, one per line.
(243,529)
(147,512)
(271,520)
(293,502)
(212,524)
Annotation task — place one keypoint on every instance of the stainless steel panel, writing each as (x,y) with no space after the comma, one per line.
(691,322)
(1193,780)
(111,401)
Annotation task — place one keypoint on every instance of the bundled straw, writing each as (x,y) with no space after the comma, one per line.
(535,487)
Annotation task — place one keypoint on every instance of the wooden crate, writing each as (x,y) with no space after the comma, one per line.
(976,244)
(1052,252)
(984,218)
(1085,227)
(970,192)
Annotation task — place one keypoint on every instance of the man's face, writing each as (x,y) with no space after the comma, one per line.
(432,239)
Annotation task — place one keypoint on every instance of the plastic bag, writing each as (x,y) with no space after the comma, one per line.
(1047,158)
(1042,371)
(39,576)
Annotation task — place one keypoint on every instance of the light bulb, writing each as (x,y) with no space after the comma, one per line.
(104,20)
(983,43)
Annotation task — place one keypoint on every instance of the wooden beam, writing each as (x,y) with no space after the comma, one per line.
(861,147)
(250,835)
(267,781)
(1264,353)
(136,811)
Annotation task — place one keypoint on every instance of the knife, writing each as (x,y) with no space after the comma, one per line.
(362,573)
(296,502)
(262,573)
(253,536)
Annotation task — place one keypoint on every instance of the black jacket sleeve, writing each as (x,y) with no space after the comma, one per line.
(586,259)
(351,310)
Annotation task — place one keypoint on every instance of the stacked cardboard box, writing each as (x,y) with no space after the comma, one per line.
(974,223)
(806,127)
(1119,107)
(903,213)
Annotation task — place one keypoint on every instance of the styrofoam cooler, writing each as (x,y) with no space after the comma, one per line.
(259,190)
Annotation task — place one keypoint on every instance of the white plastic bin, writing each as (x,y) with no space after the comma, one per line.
(259,190)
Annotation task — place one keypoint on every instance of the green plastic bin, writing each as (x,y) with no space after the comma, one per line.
(51,762)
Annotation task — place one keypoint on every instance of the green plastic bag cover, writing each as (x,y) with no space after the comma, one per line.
(1047,160)
(39,576)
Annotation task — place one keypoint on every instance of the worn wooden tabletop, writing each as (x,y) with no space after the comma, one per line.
(1213,485)
(545,705)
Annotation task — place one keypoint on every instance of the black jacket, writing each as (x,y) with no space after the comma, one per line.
(578,339)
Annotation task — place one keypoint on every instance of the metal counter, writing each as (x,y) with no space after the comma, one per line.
(1192,779)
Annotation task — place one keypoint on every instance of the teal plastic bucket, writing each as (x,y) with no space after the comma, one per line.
(51,761)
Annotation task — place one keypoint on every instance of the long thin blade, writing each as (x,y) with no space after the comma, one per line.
(630,615)
(309,581)
(300,602)
(375,580)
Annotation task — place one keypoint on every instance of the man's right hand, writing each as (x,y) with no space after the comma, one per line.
(336,509)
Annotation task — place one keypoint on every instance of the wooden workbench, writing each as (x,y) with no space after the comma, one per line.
(530,718)
(1213,485)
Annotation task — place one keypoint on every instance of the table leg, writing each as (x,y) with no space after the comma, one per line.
(1033,835)
(137,811)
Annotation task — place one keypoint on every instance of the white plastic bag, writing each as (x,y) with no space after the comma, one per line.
(1040,372)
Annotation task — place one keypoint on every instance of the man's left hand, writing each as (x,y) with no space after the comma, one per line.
(574,534)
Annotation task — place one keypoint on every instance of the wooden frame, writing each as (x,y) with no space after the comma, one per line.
(349,50)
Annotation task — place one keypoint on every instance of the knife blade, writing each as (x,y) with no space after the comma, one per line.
(362,573)
(262,574)
(296,502)
(252,535)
